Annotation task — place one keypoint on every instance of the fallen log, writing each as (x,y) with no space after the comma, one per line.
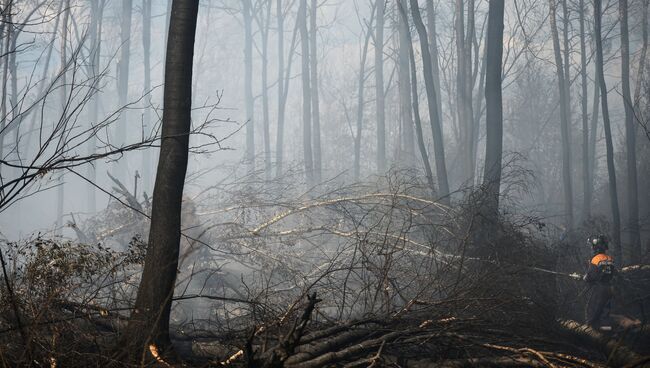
(617,353)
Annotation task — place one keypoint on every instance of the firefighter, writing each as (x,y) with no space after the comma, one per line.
(599,276)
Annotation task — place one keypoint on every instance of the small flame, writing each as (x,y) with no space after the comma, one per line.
(154,351)
(52,362)
(233,358)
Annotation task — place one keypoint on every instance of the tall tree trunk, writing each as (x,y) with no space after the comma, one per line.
(313,68)
(459,27)
(6,23)
(593,133)
(467,94)
(265,27)
(97,11)
(146,48)
(306,94)
(433,50)
(494,108)
(642,58)
(630,138)
(360,98)
(434,114)
(281,105)
(416,105)
(586,159)
(63,105)
(149,321)
(404,87)
(379,88)
(123,81)
(564,120)
(247,13)
(283,85)
(611,170)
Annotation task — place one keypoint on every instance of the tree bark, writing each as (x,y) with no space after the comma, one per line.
(306,95)
(379,88)
(564,120)
(630,138)
(611,170)
(149,321)
(313,69)
(434,114)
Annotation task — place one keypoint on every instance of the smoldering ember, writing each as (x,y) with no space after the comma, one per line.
(324,183)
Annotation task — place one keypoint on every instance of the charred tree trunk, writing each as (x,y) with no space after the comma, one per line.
(564,120)
(247,13)
(630,139)
(611,170)
(434,114)
(379,88)
(306,94)
(494,108)
(315,109)
(149,321)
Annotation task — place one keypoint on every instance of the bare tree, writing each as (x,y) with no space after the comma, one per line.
(247,14)
(586,159)
(149,321)
(404,85)
(611,170)
(494,108)
(416,105)
(306,94)
(123,79)
(379,88)
(564,119)
(146,49)
(360,96)
(63,105)
(263,19)
(434,114)
(630,137)
(96,14)
(315,109)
